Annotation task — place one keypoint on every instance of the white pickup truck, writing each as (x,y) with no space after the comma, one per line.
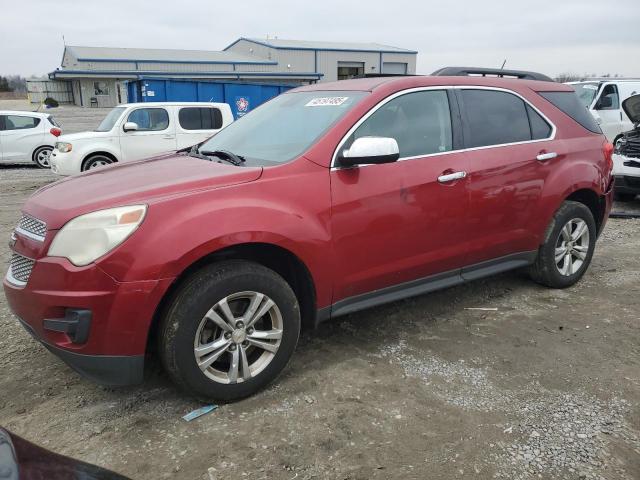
(139,130)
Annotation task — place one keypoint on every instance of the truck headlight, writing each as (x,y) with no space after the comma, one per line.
(63,147)
(88,237)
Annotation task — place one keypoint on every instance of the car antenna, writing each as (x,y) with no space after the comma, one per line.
(503,64)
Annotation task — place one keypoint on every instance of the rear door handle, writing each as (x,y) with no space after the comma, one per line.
(168,137)
(543,157)
(450,177)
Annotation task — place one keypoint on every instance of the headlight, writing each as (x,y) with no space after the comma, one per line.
(89,237)
(63,147)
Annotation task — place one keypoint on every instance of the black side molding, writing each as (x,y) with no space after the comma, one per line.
(426,285)
(493,72)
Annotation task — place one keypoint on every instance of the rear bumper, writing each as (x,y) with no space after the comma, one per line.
(97,325)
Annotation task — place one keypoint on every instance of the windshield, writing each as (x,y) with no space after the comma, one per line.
(283,128)
(586,92)
(110,120)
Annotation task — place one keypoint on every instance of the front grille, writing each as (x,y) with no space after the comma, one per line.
(20,268)
(33,226)
(633,181)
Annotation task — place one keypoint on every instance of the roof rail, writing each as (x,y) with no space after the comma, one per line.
(494,72)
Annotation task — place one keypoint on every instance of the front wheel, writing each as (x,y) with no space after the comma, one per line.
(96,161)
(230,330)
(568,247)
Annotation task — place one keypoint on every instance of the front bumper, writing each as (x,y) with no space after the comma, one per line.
(627,184)
(65,163)
(110,370)
(111,349)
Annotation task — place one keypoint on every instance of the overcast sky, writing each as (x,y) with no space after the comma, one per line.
(551,36)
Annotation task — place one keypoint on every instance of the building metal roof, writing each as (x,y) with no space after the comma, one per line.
(157,55)
(280,43)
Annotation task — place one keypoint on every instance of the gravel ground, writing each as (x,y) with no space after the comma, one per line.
(546,385)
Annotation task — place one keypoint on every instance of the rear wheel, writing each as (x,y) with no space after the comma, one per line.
(41,156)
(568,247)
(230,330)
(96,161)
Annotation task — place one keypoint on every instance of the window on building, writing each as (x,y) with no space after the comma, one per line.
(494,118)
(197,118)
(150,119)
(348,70)
(394,68)
(100,88)
(420,122)
(18,122)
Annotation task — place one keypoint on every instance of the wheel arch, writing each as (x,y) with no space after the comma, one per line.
(594,202)
(284,262)
(99,152)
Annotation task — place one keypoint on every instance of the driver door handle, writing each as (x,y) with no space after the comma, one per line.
(450,177)
(542,157)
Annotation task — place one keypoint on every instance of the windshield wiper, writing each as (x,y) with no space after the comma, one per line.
(225,155)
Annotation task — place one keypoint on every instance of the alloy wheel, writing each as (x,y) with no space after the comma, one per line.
(42,157)
(572,246)
(238,337)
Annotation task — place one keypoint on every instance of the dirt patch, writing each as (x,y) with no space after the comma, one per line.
(546,386)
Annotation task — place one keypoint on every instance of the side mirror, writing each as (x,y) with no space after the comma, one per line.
(604,102)
(370,150)
(130,127)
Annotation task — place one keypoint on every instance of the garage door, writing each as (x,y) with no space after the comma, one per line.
(395,68)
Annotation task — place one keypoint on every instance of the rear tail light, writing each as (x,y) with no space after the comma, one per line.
(55,131)
(607,149)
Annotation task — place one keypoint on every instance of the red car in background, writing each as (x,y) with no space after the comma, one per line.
(326,200)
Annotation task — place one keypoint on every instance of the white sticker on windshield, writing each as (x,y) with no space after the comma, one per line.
(326,101)
(590,87)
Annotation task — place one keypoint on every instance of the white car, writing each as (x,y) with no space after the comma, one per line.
(139,130)
(27,137)
(626,159)
(604,100)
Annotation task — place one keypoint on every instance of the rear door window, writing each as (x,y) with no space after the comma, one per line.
(150,119)
(20,122)
(568,103)
(420,122)
(494,118)
(540,129)
(200,118)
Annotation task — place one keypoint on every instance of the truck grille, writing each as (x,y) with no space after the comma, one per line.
(20,269)
(32,227)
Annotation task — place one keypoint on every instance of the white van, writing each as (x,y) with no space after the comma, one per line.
(139,130)
(604,99)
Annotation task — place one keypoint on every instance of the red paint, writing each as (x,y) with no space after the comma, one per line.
(356,230)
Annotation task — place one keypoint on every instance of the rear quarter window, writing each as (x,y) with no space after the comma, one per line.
(569,103)
(200,118)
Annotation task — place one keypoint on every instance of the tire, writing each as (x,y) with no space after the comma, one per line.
(192,321)
(561,274)
(624,197)
(95,161)
(41,156)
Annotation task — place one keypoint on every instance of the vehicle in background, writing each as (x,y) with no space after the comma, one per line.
(23,460)
(604,99)
(626,159)
(326,200)
(27,137)
(139,130)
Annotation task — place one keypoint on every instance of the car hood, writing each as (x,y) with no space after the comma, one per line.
(631,107)
(144,181)
(74,137)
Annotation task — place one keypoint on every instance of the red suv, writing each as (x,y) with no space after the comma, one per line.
(324,201)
